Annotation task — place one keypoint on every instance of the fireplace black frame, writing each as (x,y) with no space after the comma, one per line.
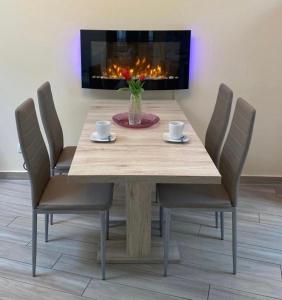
(183,37)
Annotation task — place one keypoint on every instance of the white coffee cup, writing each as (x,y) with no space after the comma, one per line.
(103,129)
(176,129)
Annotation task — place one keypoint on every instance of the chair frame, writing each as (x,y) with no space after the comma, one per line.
(215,156)
(38,165)
(47,131)
(104,233)
(167,227)
(53,171)
(244,115)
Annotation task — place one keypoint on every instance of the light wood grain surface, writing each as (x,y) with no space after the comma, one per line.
(139,211)
(140,158)
(141,154)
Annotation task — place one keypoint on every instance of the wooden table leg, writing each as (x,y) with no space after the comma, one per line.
(139,246)
(139,210)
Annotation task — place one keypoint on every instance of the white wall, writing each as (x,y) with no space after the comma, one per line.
(238,42)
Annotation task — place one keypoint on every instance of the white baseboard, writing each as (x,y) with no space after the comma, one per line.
(261,179)
(15,175)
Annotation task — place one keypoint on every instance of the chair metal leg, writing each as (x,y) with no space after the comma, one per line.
(222,224)
(46,227)
(51,215)
(216,219)
(51,219)
(103,244)
(161,221)
(108,224)
(34,241)
(234,240)
(166,238)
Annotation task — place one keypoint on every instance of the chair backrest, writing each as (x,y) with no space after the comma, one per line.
(236,147)
(50,122)
(218,123)
(33,149)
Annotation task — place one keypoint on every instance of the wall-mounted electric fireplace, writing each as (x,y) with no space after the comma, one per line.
(161,56)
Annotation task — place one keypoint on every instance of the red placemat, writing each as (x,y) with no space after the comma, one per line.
(147,120)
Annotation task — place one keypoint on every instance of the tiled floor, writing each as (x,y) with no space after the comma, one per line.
(67,266)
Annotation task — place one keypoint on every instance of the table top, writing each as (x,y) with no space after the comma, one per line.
(141,154)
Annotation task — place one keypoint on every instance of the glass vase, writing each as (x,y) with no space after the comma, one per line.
(135,110)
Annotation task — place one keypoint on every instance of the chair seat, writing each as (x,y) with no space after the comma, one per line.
(65,158)
(62,195)
(193,196)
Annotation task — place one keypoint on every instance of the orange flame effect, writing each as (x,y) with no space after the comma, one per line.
(141,67)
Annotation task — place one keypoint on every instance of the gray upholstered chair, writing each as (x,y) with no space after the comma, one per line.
(218,124)
(56,194)
(216,131)
(222,197)
(214,136)
(60,156)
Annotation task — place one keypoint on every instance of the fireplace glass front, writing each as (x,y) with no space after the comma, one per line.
(162,57)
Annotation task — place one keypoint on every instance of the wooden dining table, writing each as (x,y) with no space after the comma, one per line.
(140,159)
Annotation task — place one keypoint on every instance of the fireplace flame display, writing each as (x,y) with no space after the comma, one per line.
(142,66)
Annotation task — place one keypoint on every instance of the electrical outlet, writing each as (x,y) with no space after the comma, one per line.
(19,150)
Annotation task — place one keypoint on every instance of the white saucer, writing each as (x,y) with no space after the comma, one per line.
(185,138)
(94,138)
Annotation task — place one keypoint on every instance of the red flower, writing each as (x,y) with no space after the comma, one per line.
(126,74)
(142,77)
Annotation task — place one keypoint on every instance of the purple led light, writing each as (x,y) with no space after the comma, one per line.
(194,57)
(75,55)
